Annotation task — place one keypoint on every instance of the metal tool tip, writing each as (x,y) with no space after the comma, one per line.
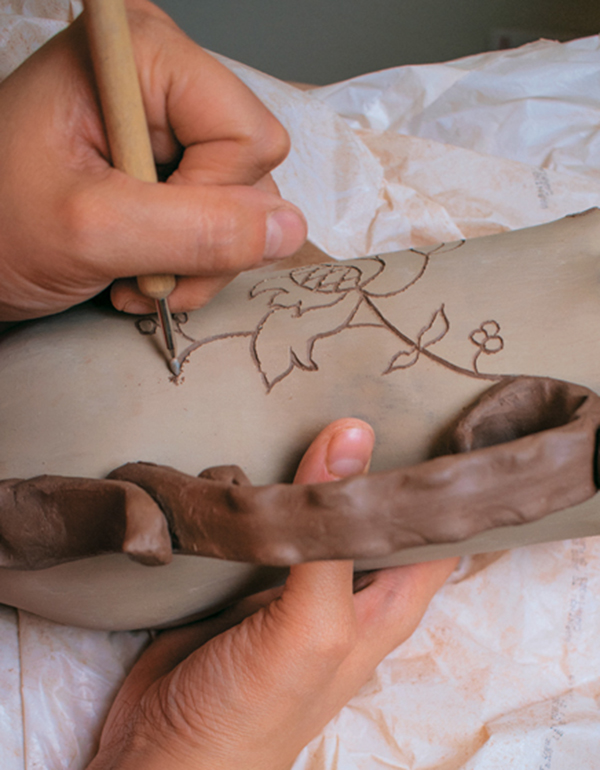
(175,367)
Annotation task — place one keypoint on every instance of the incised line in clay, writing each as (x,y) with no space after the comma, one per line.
(338,291)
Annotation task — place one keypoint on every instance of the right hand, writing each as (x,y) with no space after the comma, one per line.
(70,224)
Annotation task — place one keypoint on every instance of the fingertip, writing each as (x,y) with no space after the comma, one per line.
(189,294)
(342,449)
(286,231)
(126,298)
(431,575)
(349,450)
(197,231)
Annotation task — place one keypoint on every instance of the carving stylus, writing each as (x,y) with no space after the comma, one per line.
(126,127)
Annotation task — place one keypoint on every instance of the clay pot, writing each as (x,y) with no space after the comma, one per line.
(405,341)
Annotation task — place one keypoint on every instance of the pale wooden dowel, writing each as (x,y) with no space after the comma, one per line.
(122,106)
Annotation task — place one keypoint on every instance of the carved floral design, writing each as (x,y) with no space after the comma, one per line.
(340,296)
(435,330)
(487,339)
(148,324)
(337,291)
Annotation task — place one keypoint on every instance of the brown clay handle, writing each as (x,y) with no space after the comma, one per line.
(546,463)
(122,106)
(527,448)
(49,520)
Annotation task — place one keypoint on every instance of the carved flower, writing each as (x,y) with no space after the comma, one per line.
(487,339)
(148,324)
(282,343)
(347,297)
(317,286)
(328,279)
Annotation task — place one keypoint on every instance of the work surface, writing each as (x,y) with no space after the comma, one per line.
(504,669)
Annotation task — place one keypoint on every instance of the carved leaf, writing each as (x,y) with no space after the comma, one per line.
(286,338)
(405,358)
(274,285)
(282,291)
(281,343)
(445,248)
(436,330)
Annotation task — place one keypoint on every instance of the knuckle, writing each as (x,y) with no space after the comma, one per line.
(273,143)
(149,21)
(233,238)
(81,218)
(331,641)
(85,222)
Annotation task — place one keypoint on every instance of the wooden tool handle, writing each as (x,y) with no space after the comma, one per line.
(122,106)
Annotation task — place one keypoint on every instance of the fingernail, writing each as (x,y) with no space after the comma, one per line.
(137,307)
(349,452)
(361,581)
(286,231)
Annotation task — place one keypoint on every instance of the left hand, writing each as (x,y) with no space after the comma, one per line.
(249,688)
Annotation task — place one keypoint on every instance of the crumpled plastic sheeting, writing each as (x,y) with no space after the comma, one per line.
(11,710)
(535,104)
(69,678)
(57,685)
(372,169)
(504,669)
(329,172)
(25,25)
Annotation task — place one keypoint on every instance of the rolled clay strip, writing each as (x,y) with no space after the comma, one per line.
(53,519)
(528,448)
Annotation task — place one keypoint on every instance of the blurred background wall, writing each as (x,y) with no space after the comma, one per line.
(323,41)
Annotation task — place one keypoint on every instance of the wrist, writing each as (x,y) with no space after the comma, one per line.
(154,758)
(140,752)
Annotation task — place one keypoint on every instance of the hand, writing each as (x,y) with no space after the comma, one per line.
(70,224)
(249,688)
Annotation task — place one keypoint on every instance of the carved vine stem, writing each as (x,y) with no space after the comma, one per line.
(423,350)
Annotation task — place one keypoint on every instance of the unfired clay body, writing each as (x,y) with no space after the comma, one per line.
(404,341)
(528,447)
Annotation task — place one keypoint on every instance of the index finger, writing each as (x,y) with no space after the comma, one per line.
(196,105)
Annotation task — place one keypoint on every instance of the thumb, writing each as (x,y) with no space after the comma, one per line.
(341,449)
(320,593)
(129,228)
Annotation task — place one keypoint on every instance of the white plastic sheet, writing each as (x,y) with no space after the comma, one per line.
(504,670)
(415,155)
(26,24)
